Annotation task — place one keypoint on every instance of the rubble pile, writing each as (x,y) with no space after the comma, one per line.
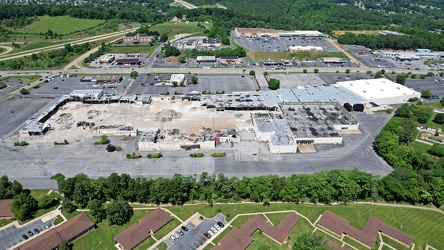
(167,115)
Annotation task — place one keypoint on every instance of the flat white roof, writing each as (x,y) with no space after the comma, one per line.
(177,78)
(370,89)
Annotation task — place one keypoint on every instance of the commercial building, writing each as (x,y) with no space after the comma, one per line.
(317,123)
(83,94)
(301,49)
(301,33)
(137,39)
(413,55)
(67,231)
(108,79)
(261,32)
(275,131)
(256,32)
(179,78)
(367,237)
(208,44)
(200,59)
(380,91)
(240,239)
(225,60)
(131,237)
(107,59)
(333,60)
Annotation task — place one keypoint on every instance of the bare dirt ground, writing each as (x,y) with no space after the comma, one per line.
(367,32)
(188,117)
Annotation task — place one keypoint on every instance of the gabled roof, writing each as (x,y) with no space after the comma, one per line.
(241,238)
(5,208)
(138,232)
(367,236)
(75,226)
(47,240)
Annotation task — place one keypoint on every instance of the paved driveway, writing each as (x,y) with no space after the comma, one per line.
(194,238)
(12,235)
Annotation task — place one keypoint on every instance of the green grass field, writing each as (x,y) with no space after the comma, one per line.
(166,229)
(262,242)
(4,222)
(132,49)
(172,29)
(276,218)
(424,225)
(103,236)
(61,24)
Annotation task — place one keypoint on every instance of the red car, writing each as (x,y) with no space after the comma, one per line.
(207,235)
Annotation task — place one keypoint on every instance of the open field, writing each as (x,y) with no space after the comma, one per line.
(262,242)
(61,24)
(172,29)
(103,236)
(423,225)
(367,32)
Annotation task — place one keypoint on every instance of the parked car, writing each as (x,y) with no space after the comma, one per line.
(184,228)
(47,226)
(30,234)
(217,227)
(210,232)
(176,235)
(220,224)
(172,238)
(213,229)
(207,235)
(36,231)
(25,237)
(180,232)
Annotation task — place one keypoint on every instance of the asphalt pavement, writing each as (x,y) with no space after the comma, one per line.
(12,235)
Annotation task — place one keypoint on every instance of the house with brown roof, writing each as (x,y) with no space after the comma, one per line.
(5,208)
(68,231)
(138,232)
(367,237)
(241,238)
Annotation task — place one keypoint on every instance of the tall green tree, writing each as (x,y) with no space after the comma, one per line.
(119,212)
(96,210)
(310,241)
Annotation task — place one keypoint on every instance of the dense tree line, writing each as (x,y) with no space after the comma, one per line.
(415,40)
(418,177)
(325,187)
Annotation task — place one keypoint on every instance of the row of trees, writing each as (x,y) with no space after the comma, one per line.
(23,204)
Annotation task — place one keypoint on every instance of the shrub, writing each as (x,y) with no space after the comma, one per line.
(305,71)
(252,73)
(65,142)
(154,156)
(439,118)
(21,143)
(274,84)
(103,140)
(197,155)
(110,148)
(219,154)
(24,91)
(414,99)
(316,71)
(133,155)
(436,150)
(347,71)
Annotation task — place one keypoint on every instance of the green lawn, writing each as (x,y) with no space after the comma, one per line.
(166,229)
(162,246)
(146,244)
(172,29)
(20,79)
(71,215)
(58,220)
(61,24)
(354,243)
(4,222)
(393,243)
(103,236)
(240,221)
(39,193)
(424,225)
(132,49)
(262,242)
(276,218)
(303,226)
